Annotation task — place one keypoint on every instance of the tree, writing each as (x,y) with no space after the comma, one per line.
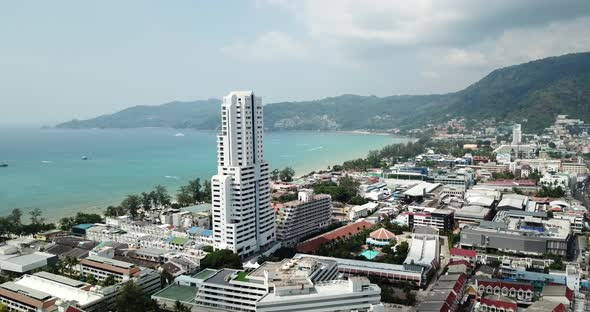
(66,223)
(552,145)
(36,218)
(90,279)
(133,299)
(3,307)
(274,175)
(194,187)
(70,263)
(109,281)
(179,307)
(131,204)
(358,200)
(184,197)
(115,211)
(287,174)
(221,259)
(161,196)
(146,201)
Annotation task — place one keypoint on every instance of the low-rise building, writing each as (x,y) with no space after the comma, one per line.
(442,219)
(23,263)
(491,303)
(521,292)
(101,268)
(473,214)
(314,243)
(299,284)
(445,295)
(458,254)
(529,236)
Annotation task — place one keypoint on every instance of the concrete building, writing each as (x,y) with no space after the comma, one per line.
(361,211)
(529,235)
(303,217)
(22,263)
(462,178)
(102,268)
(45,292)
(473,214)
(243,220)
(516,134)
(302,284)
(424,250)
(442,219)
(554,180)
(394,272)
(574,168)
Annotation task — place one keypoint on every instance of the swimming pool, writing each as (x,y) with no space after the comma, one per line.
(369,254)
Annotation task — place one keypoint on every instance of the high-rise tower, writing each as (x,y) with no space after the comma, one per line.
(243,220)
(516,135)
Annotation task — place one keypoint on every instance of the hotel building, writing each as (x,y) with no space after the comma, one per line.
(243,220)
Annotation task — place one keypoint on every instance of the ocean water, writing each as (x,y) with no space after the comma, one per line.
(45,167)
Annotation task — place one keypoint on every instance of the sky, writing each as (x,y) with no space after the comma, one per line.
(67,59)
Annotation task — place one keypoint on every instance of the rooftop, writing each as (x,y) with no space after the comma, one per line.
(58,287)
(116,263)
(348,230)
(176,292)
(421,188)
(205,274)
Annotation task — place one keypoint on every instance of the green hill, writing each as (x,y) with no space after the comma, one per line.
(536,91)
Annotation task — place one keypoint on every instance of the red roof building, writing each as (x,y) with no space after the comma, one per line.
(498,303)
(313,244)
(522,292)
(463,252)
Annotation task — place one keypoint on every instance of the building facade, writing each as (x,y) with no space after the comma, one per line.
(243,220)
(304,216)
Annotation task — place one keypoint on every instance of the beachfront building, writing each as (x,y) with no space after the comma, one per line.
(243,220)
(302,217)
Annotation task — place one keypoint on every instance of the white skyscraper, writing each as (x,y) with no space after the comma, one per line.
(243,220)
(516,134)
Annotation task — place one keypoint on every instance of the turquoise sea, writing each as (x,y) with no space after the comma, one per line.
(45,167)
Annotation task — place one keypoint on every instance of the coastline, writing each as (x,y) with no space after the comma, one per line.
(117,168)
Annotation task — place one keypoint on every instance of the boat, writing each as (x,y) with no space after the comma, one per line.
(3,164)
(84,157)
(179,134)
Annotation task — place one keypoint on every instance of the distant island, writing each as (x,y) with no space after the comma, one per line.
(531,93)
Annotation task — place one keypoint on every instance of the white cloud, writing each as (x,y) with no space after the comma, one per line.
(430,74)
(384,21)
(525,44)
(464,57)
(269,47)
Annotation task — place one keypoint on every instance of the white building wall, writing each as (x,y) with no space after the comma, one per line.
(243,220)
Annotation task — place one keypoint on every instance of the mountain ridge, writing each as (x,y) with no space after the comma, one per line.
(535,91)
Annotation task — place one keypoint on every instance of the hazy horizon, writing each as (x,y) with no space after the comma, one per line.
(66,59)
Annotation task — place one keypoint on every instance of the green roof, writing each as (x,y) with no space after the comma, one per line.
(206,273)
(242,277)
(178,292)
(179,241)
